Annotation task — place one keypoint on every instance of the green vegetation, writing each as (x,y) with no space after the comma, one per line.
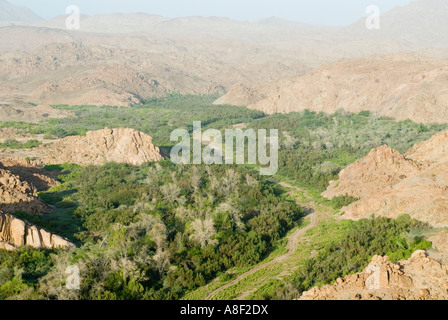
(351,254)
(157,117)
(14,144)
(159,231)
(317,146)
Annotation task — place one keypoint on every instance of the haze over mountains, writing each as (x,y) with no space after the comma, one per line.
(10,14)
(122,59)
(398,86)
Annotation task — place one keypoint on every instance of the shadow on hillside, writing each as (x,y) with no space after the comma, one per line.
(41,179)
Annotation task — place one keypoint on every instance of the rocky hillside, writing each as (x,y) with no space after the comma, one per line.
(398,86)
(79,74)
(15,233)
(390,184)
(381,169)
(98,147)
(435,150)
(18,195)
(419,278)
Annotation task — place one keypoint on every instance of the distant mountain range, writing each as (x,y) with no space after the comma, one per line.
(420,23)
(121,59)
(11,14)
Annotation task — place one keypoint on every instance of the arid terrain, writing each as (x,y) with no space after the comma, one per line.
(389,183)
(357,209)
(397,86)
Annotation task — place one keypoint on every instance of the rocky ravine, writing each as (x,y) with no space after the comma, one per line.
(16,233)
(398,86)
(418,278)
(390,184)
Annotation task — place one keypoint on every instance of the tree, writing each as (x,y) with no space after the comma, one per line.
(171,192)
(202,232)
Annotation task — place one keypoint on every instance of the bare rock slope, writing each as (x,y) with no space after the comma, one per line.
(18,195)
(15,233)
(389,184)
(31,172)
(98,147)
(418,278)
(398,86)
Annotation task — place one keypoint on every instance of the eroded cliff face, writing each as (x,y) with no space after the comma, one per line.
(418,278)
(15,233)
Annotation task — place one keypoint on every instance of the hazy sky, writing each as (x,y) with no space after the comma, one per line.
(324,12)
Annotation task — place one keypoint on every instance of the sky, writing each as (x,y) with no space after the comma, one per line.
(320,12)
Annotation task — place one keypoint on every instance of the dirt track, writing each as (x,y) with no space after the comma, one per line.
(292,246)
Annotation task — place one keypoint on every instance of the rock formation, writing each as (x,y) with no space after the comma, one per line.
(98,147)
(418,278)
(381,169)
(389,184)
(16,233)
(434,150)
(19,195)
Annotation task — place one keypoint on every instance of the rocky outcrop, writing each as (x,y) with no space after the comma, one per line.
(389,184)
(18,195)
(15,233)
(98,147)
(381,169)
(434,150)
(418,278)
